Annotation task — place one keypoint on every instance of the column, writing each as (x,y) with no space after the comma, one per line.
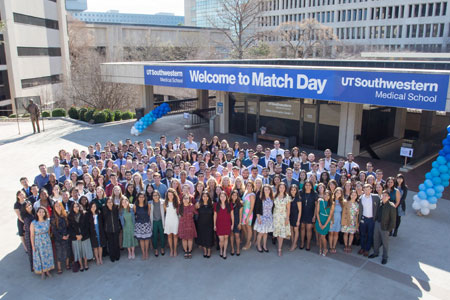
(224,117)
(349,128)
(400,122)
(148,99)
(203,101)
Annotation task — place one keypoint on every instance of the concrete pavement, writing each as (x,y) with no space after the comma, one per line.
(418,266)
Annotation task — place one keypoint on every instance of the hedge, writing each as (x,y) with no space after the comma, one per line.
(82,113)
(109,115)
(45,114)
(117,115)
(12,116)
(127,115)
(59,112)
(26,115)
(74,113)
(90,114)
(100,117)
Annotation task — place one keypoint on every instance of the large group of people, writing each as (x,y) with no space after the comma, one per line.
(96,202)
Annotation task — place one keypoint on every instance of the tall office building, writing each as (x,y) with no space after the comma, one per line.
(200,12)
(76,5)
(360,25)
(34,55)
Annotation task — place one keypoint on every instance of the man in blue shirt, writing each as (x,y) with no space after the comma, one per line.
(41,179)
(158,186)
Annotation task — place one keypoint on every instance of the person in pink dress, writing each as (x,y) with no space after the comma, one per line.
(223,222)
(186,225)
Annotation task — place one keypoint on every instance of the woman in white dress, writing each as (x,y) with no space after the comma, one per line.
(171,220)
(282,205)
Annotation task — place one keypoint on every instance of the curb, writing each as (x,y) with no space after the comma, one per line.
(8,120)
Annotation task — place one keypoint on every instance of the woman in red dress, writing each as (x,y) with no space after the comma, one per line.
(186,225)
(223,222)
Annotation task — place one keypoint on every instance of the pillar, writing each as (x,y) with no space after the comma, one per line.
(148,99)
(203,101)
(426,124)
(349,128)
(224,117)
(400,122)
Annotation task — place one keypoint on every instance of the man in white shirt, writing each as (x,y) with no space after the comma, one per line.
(314,170)
(177,143)
(349,164)
(367,214)
(276,150)
(254,174)
(328,159)
(264,161)
(190,144)
(183,180)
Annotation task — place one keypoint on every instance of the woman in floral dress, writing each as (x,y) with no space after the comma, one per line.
(41,244)
(247,216)
(264,222)
(281,226)
(349,222)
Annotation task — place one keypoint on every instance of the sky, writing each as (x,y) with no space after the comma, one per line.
(138,6)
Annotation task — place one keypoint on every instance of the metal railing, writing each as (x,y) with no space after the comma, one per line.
(181,106)
(200,117)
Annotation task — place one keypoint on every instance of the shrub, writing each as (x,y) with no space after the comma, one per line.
(100,117)
(12,116)
(82,113)
(127,115)
(90,114)
(134,115)
(117,115)
(45,114)
(109,115)
(59,112)
(26,115)
(74,113)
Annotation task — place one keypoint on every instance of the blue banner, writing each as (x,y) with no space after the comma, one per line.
(409,90)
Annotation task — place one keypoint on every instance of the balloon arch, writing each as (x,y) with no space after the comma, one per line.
(149,118)
(435,181)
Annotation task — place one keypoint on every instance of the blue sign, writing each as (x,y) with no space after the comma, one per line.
(422,91)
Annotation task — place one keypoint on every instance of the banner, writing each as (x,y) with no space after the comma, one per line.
(408,90)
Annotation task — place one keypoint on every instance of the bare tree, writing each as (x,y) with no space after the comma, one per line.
(306,38)
(86,86)
(237,20)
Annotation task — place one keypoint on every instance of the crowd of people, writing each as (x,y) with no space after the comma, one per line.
(95,203)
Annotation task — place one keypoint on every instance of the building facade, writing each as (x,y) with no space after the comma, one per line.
(200,12)
(34,55)
(115,17)
(76,5)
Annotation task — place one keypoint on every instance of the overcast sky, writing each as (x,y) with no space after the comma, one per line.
(138,6)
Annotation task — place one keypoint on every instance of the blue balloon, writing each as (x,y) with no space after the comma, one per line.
(422,187)
(443,169)
(442,152)
(447,149)
(445,142)
(428,183)
(448,128)
(428,175)
(432,200)
(435,172)
(445,183)
(445,177)
(447,157)
(441,160)
(448,136)
(438,195)
(422,195)
(439,188)
(436,180)
(431,192)
(435,164)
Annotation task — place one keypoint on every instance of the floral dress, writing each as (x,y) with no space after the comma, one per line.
(43,252)
(266,225)
(354,209)
(280,229)
(246,213)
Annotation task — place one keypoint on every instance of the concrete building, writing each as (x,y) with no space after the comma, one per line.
(117,40)
(76,5)
(34,55)
(348,106)
(360,25)
(115,17)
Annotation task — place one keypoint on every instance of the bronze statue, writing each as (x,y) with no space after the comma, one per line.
(34,112)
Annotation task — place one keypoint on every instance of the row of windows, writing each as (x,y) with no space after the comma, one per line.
(387,12)
(351,33)
(427,10)
(385,32)
(37,51)
(352,15)
(25,19)
(289,4)
(32,82)
(425,30)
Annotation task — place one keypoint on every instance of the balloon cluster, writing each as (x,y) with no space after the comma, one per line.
(149,118)
(435,181)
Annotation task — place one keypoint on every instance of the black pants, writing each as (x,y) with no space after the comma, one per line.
(113,245)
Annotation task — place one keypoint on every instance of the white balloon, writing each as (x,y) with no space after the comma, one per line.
(416,205)
(432,206)
(416,198)
(425,211)
(424,203)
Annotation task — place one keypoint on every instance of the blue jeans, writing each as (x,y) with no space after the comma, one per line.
(366,231)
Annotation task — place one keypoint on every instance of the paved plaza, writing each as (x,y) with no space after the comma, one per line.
(418,267)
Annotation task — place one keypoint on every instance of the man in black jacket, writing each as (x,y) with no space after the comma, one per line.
(385,222)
